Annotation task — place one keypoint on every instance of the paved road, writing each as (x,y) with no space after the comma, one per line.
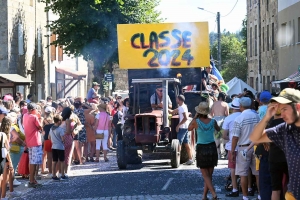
(154,179)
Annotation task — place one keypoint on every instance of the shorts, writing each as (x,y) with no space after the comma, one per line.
(231,164)
(58,154)
(183,136)
(47,145)
(35,155)
(242,165)
(277,170)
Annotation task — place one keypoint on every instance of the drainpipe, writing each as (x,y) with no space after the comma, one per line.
(48,54)
(259,51)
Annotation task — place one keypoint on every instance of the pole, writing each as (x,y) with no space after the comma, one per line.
(259,51)
(165,103)
(219,41)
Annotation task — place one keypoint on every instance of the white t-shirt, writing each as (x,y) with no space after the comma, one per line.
(228,125)
(183,109)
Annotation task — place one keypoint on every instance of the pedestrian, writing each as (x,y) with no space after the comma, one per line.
(206,150)
(32,128)
(90,115)
(56,135)
(29,98)
(93,91)
(285,136)
(182,127)
(102,127)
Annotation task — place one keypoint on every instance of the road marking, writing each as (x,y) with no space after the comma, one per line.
(167,184)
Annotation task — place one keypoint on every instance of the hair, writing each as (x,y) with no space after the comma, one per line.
(77,104)
(8,104)
(54,105)
(48,116)
(29,96)
(181,98)
(19,93)
(234,95)
(118,104)
(125,101)
(57,118)
(49,98)
(17,98)
(6,125)
(222,96)
(66,113)
(202,116)
(22,103)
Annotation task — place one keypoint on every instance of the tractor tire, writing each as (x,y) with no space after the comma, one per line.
(184,156)
(121,155)
(134,156)
(175,154)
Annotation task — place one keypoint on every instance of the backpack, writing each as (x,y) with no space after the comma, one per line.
(116,119)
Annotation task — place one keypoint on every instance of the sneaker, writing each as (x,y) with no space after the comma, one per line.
(59,175)
(49,176)
(55,178)
(33,185)
(251,193)
(16,182)
(5,198)
(14,194)
(244,154)
(189,162)
(233,194)
(64,178)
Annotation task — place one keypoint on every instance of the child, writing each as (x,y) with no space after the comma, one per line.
(58,150)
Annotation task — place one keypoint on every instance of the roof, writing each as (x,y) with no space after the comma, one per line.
(294,77)
(156,80)
(71,72)
(14,78)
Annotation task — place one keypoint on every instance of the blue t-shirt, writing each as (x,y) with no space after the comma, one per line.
(262,110)
(287,138)
(90,93)
(205,132)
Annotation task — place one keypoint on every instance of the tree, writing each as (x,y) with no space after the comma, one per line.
(88,28)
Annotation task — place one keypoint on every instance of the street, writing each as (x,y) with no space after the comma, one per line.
(153,179)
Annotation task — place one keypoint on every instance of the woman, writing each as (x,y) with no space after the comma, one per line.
(90,115)
(114,132)
(102,126)
(8,173)
(17,143)
(207,155)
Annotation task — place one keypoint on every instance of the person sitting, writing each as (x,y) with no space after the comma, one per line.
(93,91)
(156,99)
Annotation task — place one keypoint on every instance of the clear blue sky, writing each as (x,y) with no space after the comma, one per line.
(187,11)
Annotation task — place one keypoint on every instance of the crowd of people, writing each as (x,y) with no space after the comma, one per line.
(44,138)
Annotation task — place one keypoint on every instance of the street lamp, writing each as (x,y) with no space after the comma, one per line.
(219,36)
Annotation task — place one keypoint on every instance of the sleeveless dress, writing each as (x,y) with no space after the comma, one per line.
(206,150)
(68,143)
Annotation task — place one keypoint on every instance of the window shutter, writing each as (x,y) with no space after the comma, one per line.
(60,53)
(53,47)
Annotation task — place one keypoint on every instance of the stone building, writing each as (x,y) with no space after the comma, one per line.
(262,30)
(23,45)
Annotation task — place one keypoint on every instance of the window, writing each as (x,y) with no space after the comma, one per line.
(283,34)
(289,32)
(255,40)
(53,47)
(268,39)
(298,29)
(251,42)
(273,45)
(267,5)
(268,83)
(251,82)
(264,82)
(20,39)
(263,39)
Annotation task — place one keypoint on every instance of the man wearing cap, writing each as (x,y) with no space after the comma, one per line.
(242,128)
(156,99)
(227,130)
(286,135)
(264,99)
(32,128)
(93,91)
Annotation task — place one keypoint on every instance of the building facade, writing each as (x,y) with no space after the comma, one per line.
(262,29)
(289,37)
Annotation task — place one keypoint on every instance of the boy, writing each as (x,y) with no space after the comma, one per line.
(58,150)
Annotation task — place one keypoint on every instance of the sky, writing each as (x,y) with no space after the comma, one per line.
(187,11)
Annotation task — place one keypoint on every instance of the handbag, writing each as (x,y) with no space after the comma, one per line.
(101,135)
(3,148)
(23,166)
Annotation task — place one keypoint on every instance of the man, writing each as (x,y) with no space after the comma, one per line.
(286,135)
(219,111)
(156,99)
(32,128)
(93,91)
(49,101)
(227,134)
(182,127)
(3,113)
(29,98)
(242,128)
(206,76)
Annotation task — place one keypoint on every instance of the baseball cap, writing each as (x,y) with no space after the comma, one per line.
(31,106)
(235,104)
(288,95)
(3,110)
(265,96)
(245,101)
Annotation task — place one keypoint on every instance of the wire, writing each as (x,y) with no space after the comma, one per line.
(231,9)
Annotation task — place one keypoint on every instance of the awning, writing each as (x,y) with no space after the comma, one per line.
(295,77)
(79,75)
(14,79)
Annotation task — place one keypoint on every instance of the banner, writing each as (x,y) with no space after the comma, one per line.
(166,45)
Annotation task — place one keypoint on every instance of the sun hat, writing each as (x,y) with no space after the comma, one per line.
(8,98)
(203,108)
(288,95)
(265,96)
(235,104)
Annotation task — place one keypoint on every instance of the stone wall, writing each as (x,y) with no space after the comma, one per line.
(121,78)
(3,38)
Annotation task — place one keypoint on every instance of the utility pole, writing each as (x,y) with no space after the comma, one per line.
(219,42)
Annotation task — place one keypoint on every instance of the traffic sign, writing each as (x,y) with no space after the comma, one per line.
(109,77)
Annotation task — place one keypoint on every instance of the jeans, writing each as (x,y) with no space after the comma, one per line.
(15,158)
(114,139)
(265,187)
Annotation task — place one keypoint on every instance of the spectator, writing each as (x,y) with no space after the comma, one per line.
(114,131)
(93,91)
(29,98)
(49,101)
(90,115)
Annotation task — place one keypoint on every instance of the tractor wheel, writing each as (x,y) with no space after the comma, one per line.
(121,155)
(175,154)
(134,156)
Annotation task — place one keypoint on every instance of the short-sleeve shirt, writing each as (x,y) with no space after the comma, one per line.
(262,110)
(183,109)
(103,121)
(90,93)
(55,134)
(31,129)
(287,138)
(228,125)
(157,101)
(243,126)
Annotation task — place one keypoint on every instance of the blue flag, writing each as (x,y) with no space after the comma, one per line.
(215,71)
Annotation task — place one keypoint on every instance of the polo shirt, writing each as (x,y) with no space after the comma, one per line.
(228,125)
(243,126)
(287,138)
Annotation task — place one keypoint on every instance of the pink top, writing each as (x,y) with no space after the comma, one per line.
(104,121)
(31,128)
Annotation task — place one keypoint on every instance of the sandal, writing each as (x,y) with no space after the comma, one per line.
(215,198)
(106,159)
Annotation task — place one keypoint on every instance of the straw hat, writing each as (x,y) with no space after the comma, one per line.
(102,106)
(203,108)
